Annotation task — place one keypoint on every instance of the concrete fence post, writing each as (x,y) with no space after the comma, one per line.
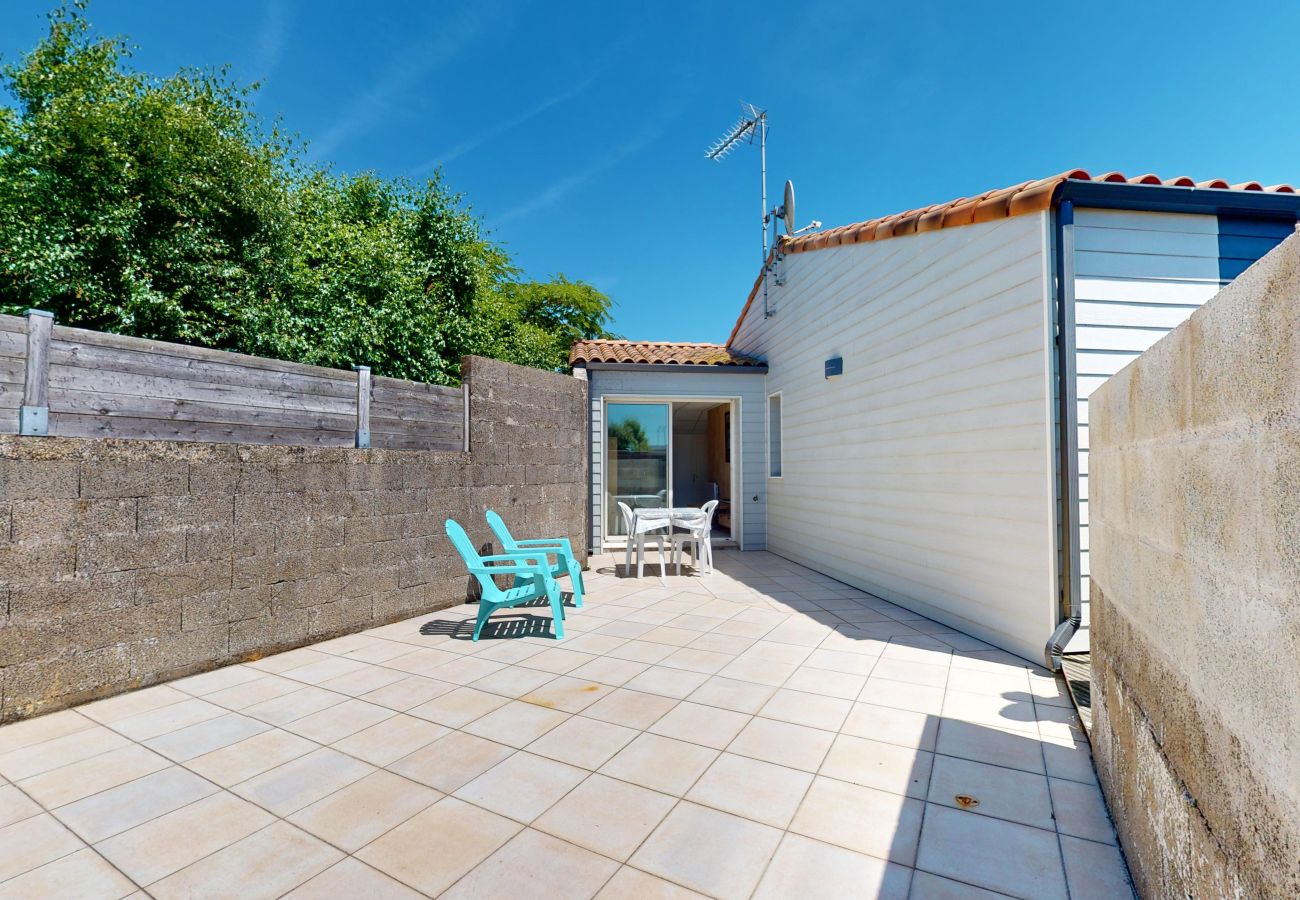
(464,393)
(34,415)
(363,406)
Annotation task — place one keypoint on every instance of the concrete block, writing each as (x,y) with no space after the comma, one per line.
(39,479)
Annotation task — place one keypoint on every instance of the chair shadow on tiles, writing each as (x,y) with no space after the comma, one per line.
(498,627)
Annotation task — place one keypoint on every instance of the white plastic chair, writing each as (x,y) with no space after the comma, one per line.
(640,539)
(699,539)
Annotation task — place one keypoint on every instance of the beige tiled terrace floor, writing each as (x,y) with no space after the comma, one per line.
(763,731)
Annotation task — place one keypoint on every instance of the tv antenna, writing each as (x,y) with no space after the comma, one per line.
(751,126)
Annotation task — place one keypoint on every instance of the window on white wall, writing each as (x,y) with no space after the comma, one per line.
(774,435)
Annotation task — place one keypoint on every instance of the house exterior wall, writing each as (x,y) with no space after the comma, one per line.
(746,386)
(1137,276)
(1196,595)
(925,473)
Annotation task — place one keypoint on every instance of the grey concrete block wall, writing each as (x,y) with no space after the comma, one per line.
(124,563)
(1195,504)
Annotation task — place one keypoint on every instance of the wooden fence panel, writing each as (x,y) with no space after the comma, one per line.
(107,385)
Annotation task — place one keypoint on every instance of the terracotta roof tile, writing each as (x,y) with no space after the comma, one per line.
(655,353)
(1027,197)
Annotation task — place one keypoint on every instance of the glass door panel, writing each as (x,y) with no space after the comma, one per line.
(636,459)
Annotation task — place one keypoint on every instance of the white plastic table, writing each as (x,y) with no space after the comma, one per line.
(650,519)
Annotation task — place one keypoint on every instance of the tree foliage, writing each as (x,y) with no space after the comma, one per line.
(163,208)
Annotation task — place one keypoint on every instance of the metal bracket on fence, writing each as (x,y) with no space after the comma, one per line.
(363,406)
(34,414)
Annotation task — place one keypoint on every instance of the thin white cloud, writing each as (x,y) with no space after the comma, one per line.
(558,189)
(454,35)
(505,126)
(270,39)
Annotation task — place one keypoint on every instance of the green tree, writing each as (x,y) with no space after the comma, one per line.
(630,436)
(162,208)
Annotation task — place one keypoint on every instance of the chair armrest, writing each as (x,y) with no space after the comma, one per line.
(538,559)
(505,569)
(547,542)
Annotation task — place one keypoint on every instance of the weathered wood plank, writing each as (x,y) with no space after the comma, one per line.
(433,407)
(13,344)
(13,324)
(383,382)
(111,359)
(184,351)
(73,378)
(180,410)
(36,385)
(74,425)
(407,442)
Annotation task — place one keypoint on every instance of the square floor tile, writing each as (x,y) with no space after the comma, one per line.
(169,843)
(633,709)
(562,870)
(324,669)
(90,776)
(708,851)
(675,683)
(371,678)
(990,709)
(242,696)
(280,711)
(697,660)
(410,691)
(216,680)
(1071,761)
(642,651)
(33,842)
(352,878)
(810,869)
(757,790)
(239,762)
(267,863)
(80,874)
(610,671)
(1081,811)
(758,671)
(810,680)
(1001,792)
(113,709)
(128,805)
(567,693)
(580,741)
(783,743)
(289,787)
(522,786)
(859,818)
(516,724)
(928,886)
(727,693)
(984,743)
(633,884)
(451,761)
(876,764)
(417,854)
(458,708)
(355,815)
(391,739)
(1001,856)
(813,710)
(15,805)
(607,816)
(922,698)
(196,740)
(60,751)
(893,726)
(1095,871)
(557,660)
(660,763)
(513,681)
(339,721)
(701,724)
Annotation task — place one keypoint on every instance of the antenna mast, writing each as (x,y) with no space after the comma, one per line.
(751,124)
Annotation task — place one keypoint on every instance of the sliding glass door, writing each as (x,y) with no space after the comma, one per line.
(637,437)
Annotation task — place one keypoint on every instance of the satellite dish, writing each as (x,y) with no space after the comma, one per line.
(787,210)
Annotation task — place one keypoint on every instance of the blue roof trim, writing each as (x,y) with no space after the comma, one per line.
(1167,198)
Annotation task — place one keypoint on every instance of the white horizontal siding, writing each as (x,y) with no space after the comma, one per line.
(1138,276)
(685,385)
(924,473)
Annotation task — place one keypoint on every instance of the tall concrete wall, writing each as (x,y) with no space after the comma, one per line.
(1196,595)
(124,563)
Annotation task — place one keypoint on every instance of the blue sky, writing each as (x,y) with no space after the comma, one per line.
(578,131)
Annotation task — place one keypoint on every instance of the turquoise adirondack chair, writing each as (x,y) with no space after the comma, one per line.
(532,579)
(565,562)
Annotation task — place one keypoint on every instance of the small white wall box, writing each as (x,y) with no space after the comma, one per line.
(834,368)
